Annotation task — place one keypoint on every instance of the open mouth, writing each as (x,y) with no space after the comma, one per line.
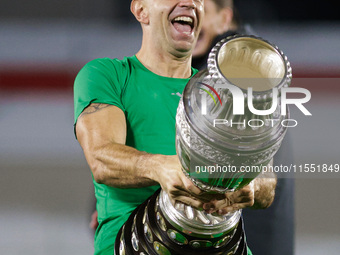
(183,24)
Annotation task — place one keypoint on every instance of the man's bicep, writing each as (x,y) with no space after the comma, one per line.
(100,124)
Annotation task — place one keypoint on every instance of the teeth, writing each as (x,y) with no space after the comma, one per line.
(185,19)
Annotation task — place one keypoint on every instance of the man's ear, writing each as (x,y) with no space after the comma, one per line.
(140,11)
(226,17)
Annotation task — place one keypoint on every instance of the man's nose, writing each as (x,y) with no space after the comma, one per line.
(188,3)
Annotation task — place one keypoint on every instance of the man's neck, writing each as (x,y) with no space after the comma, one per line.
(165,63)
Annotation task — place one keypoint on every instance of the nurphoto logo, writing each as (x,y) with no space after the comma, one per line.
(239,104)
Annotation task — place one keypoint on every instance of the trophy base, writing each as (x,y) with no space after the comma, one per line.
(148,232)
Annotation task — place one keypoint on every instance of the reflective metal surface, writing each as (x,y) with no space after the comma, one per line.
(149,238)
(210,135)
(250,62)
(197,223)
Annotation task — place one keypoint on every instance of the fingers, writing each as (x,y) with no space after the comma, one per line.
(177,184)
(188,201)
(232,201)
(243,203)
(188,194)
(191,188)
(182,189)
(173,176)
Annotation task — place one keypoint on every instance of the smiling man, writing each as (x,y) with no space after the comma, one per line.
(125,115)
(125,120)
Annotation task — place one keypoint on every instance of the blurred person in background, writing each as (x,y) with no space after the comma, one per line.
(270,231)
(125,122)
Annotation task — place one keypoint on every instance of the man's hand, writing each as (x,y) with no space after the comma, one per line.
(231,201)
(259,194)
(179,188)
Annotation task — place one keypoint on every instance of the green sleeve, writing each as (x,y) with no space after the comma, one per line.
(99,81)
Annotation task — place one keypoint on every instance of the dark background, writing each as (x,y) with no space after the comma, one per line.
(118,10)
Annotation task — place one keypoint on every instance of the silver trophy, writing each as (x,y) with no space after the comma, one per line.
(229,126)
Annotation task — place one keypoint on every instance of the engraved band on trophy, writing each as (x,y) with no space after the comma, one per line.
(215,133)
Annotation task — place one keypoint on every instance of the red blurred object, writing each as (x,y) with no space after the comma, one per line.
(61,77)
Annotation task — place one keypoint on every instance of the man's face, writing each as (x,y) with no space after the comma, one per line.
(214,24)
(175,24)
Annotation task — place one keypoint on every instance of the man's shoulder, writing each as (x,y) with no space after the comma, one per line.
(109,62)
(108,68)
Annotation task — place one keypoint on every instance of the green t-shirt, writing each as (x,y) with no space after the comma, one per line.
(149,102)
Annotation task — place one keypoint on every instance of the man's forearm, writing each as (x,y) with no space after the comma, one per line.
(101,132)
(121,166)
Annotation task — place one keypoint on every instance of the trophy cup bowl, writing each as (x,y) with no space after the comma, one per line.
(209,136)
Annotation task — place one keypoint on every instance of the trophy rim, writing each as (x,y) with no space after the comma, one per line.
(216,73)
